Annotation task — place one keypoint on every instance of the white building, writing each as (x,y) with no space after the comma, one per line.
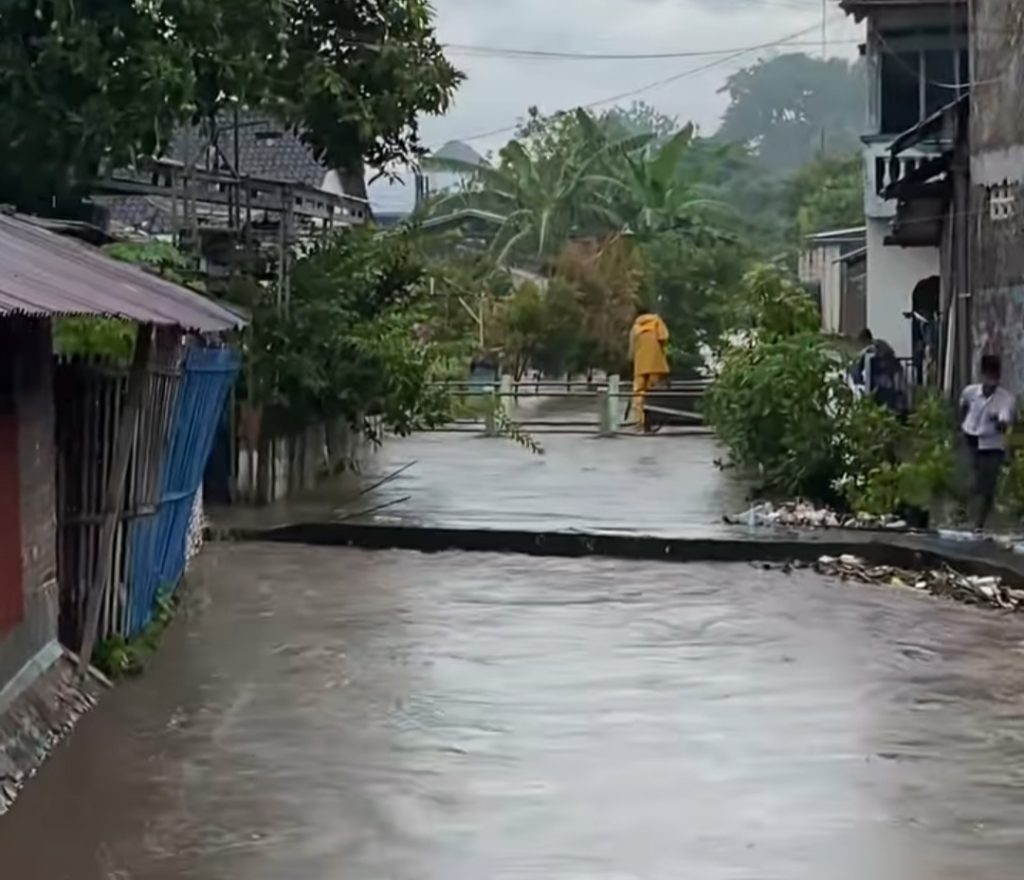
(917,59)
(395,198)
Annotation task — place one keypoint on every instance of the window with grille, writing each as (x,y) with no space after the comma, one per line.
(917,83)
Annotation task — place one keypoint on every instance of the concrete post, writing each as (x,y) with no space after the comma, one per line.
(604,413)
(505,400)
(614,402)
(492,402)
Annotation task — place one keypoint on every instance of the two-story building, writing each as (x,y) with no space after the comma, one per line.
(917,58)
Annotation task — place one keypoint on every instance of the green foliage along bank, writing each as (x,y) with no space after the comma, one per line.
(348,343)
(778,389)
(781,404)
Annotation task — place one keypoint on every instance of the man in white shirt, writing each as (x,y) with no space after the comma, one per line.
(987,410)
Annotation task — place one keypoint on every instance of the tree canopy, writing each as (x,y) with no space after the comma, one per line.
(87,86)
(346,345)
(792,108)
(827,194)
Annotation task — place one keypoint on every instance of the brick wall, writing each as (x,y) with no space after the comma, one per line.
(33,395)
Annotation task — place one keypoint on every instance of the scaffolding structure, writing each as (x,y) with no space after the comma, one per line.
(231,222)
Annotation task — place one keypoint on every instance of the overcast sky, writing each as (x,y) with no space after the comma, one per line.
(498,90)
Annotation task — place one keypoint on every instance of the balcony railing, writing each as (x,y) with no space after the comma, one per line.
(881,170)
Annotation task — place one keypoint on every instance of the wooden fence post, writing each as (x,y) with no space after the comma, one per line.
(113,505)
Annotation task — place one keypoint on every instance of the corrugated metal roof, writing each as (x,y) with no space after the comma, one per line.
(830,235)
(42,273)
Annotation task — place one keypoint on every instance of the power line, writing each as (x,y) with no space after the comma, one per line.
(897,55)
(693,71)
(543,54)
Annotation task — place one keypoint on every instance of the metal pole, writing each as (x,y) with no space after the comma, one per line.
(480,319)
(614,385)
(491,413)
(238,174)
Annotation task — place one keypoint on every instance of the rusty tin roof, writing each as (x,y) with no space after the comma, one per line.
(45,274)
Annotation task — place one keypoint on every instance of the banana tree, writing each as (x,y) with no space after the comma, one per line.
(657,197)
(539,203)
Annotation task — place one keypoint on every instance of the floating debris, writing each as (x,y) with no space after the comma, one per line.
(801,514)
(944,582)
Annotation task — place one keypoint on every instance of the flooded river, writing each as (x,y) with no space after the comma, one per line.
(660,485)
(325,714)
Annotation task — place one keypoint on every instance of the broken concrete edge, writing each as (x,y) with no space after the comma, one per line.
(38,718)
(36,667)
(897,550)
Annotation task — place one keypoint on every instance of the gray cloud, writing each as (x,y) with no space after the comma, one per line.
(499,90)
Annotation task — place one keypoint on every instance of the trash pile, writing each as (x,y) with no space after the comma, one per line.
(943,582)
(801,514)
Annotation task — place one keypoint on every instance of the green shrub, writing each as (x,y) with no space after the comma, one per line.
(775,399)
(781,404)
(118,657)
(876,491)
(930,455)
(774,405)
(109,337)
(868,434)
(1011,486)
(774,306)
(905,465)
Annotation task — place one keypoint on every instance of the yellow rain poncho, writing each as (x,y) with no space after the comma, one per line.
(650,366)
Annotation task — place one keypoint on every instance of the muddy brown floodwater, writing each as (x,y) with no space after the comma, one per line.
(321,713)
(660,485)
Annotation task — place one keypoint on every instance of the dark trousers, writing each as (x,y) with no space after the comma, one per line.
(985,467)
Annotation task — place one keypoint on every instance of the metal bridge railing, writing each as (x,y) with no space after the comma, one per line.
(610,403)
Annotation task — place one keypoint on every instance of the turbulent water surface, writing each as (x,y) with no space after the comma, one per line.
(326,713)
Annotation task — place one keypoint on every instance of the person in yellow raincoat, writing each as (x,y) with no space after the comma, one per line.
(647,342)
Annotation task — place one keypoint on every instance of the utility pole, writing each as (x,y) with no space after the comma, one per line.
(824,58)
(824,30)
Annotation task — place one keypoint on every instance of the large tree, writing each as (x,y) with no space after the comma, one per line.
(792,108)
(827,194)
(85,86)
(356,75)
